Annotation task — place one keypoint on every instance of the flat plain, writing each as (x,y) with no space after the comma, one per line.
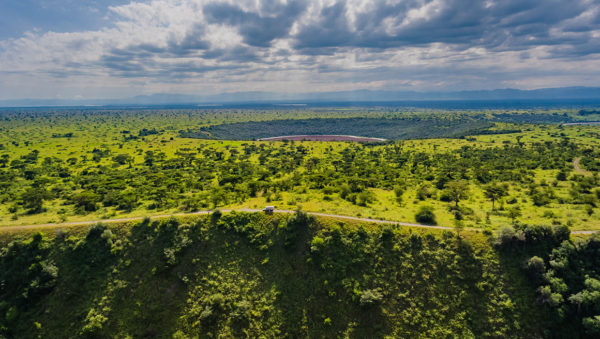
(484,173)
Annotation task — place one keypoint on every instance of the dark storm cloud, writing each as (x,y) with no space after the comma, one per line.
(124,61)
(575,52)
(140,62)
(501,24)
(240,54)
(257,29)
(141,58)
(354,43)
(192,42)
(332,28)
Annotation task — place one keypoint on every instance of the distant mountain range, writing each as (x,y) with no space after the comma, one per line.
(315,97)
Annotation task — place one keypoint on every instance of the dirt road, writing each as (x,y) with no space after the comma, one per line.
(162,216)
(578,169)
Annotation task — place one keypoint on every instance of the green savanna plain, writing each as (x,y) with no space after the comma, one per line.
(69,165)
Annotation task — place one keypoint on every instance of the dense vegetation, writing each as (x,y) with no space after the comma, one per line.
(393,129)
(65,166)
(392,126)
(566,272)
(241,274)
(245,274)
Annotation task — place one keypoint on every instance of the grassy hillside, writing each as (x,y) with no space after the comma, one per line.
(246,275)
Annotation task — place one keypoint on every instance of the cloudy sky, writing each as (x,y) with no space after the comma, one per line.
(73,49)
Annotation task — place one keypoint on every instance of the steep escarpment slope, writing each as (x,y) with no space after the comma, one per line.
(246,275)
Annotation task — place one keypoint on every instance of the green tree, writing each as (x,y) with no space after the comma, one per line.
(514,213)
(457,190)
(33,199)
(123,159)
(4,160)
(398,191)
(459,226)
(365,197)
(86,201)
(494,192)
(149,158)
(592,325)
(536,268)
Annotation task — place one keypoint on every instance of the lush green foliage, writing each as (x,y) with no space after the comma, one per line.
(255,275)
(570,285)
(565,272)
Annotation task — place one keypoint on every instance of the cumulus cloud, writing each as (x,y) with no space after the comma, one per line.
(299,45)
(500,24)
(272,20)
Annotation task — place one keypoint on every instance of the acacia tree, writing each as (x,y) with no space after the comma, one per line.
(494,192)
(4,160)
(33,199)
(457,190)
(514,213)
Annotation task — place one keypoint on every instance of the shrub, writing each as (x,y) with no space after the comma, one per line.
(424,191)
(592,325)
(86,201)
(398,191)
(215,216)
(295,226)
(365,197)
(94,321)
(370,297)
(506,236)
(316,244)
(425,215)
(445,197)
(540,199)
(535,267)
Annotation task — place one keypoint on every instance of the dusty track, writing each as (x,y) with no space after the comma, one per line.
(578,169)
(162,216)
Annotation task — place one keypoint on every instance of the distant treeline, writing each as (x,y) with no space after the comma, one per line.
(588,112)
(532,118)
(397,128)
(394,129)
(487,131)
